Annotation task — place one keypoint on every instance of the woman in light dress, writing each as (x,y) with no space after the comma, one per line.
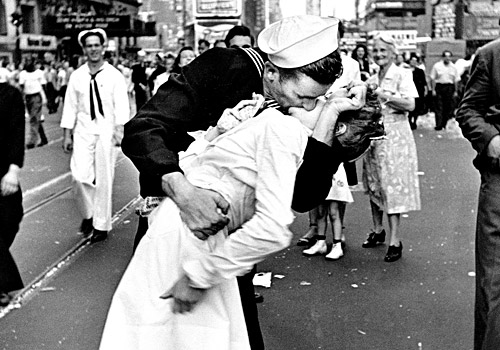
(390,166)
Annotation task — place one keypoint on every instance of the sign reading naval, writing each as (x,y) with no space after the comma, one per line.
(218,8)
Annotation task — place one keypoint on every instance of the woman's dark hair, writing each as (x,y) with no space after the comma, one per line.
(30,65)
(355,52)
(203,41)
(365,66)
(324,71)
(175,66)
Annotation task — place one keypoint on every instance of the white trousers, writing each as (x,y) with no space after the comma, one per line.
(139,320)
(93,169)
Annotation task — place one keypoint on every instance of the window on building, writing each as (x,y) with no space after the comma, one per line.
(3,19)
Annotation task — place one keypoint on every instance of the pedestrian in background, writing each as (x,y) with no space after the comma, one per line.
(239,36)
(140,80)
(203,45)
(421,84)
(31,82)
(94,113)
(390,165)
(360,55)
(479,117)
(184,57)
(159,69)
(219,43)
(11,161)
(163,77)
(444,80)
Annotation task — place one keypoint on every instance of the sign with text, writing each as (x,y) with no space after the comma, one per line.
(75,23)
(218,8)
(35,42)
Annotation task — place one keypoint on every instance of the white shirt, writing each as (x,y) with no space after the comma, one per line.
(61,78)
(461,65)
(113,93)
(444,74)
(253,166)
(32,81)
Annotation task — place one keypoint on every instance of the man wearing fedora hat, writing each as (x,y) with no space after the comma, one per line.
(96,108)
(301,64)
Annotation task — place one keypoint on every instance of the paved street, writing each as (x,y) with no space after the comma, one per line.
(424,301)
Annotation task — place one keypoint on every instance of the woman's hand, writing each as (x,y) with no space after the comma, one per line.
(351,98)
(185,297)
(244,110)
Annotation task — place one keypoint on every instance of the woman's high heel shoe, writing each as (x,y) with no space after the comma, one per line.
(394,253)
(374,239)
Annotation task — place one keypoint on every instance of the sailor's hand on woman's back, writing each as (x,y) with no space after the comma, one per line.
(203,211)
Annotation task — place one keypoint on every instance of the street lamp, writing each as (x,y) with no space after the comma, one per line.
(17,20)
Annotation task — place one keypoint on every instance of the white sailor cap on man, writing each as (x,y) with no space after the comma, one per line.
(82,36)
(297,41)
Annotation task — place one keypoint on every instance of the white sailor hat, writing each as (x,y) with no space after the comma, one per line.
(299,40)
(99,31)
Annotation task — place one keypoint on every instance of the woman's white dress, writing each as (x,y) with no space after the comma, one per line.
(390,166)
(253,166)
(340,191)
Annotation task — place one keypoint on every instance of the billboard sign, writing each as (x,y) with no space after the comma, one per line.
(218,8)
(36,42)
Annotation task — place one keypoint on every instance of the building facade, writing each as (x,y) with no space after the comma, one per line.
(53,25)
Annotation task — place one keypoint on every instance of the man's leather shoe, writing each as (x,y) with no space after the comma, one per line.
(394,253)
(86,227)
(98,235)
(374,239)
(259,298)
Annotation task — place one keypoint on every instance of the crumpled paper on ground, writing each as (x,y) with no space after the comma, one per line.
(262,279)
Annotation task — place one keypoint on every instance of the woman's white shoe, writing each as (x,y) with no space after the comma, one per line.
(319,248)
(336,252)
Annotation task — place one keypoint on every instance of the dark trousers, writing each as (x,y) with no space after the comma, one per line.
(444,104)
(418,111)
(487,306)
(52,95)
(247,295)
(140,97)
(11,213)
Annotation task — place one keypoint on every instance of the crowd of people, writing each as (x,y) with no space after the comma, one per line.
(205,224)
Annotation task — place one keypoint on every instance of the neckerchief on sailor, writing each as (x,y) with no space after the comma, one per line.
(258,62)
(269,103)
(98,97)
